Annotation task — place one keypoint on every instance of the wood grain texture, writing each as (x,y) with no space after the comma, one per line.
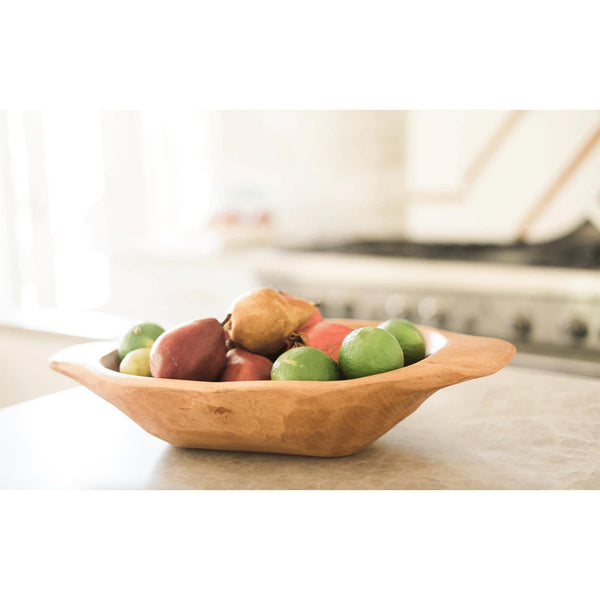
(313,418)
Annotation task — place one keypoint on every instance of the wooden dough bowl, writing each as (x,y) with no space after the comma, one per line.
(313,418)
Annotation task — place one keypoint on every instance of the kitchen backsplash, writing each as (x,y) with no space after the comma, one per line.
(427,175)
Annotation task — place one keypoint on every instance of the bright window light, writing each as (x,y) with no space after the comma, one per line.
(20,209)
(74,171)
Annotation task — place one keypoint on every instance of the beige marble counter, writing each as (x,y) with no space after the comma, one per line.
(518,429)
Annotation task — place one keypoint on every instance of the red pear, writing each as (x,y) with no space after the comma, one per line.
(194,350)
(246,366)
(327,337)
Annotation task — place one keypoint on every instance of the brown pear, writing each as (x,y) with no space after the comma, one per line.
(315,318)
(263,320)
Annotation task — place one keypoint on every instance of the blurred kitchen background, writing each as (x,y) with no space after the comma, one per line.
(485,222)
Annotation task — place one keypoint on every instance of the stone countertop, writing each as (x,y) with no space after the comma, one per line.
(518,429)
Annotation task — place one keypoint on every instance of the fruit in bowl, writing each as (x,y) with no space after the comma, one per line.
(246,366)
(368,351)
(196,350)
(141,335)
(269,335)
(325,336)
(305,364)
(264,321)
(409,337)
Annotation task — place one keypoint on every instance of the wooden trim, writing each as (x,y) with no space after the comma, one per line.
(548,196)
(483,159)
(477,166)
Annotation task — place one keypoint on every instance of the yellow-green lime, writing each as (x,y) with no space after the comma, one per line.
(411,339)
(142,335)
(305,364)
(368,351)
(137,362)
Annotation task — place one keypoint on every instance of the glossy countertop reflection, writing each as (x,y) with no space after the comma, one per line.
(518,429)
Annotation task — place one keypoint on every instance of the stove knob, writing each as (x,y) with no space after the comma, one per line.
(431,312)
(470,325)
(521,326)
(348,310)
(576,329)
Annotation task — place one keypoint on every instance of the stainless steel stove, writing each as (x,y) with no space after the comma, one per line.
(545,297)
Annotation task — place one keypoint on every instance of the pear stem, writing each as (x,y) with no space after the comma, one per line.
(226,320)
(295,340)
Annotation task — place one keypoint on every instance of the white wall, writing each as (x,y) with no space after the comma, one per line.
(171,290)
(323,174)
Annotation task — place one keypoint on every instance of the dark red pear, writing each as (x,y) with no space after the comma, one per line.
(246,366)
(195,350)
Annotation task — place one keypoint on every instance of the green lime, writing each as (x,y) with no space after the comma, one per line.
(137,362)
(305,363)
(139,336)
(411,339)
(369,350)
